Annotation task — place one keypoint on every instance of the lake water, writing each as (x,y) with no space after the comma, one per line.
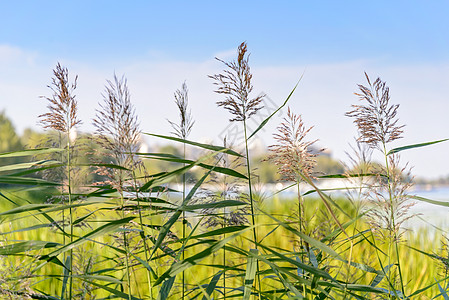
(428,215)
(431,214)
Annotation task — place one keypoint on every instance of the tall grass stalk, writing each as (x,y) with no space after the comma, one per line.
(117,131)
(235,84)
(293,156)
(377,125)
(182,130)
(62,117)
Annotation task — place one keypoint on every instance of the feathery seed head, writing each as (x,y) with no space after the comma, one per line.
(292,153)
(182,130)
(376,120)
(391,200)
(117,126)
(235,84)
(62,104)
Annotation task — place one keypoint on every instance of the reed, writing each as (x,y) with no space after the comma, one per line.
(235,84)
(127,233)
(182,131)
(62,117)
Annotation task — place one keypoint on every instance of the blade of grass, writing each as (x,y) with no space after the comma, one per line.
(204,146)
(436,202)
(178,267)
(166,227)
(212,285)
(251,268)
(26,181)
(108,227)
(28,165)
(21,247)
(172,158)
(115,292)
(30,152)
(396,150)
(264,122)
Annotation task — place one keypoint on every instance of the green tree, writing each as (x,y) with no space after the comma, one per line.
(9,140)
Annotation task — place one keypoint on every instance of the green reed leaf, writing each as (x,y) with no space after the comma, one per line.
(47,207)
(212,285)
(220,231)
(89,277)
(178,267)
(436,202)
(166,287)
(379,277)
(28,165)
(264,122)
(166,227)
(106,228)
(443,292)
(7,198)
(115,292)
(110,166)
(65,276)
(396,150)
(351,175)
(21,247)
(39,226)
(204,146)
(30,152)
(165,177)
(216,205)
(251,268)
(26,181)
(172,158)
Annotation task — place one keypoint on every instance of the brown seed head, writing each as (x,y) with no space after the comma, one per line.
(235,84)
(182,130)
(292,153)
(117,127)
(376,120)
(62,104)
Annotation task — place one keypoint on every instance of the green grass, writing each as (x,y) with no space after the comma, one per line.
(79,223)
(418,274)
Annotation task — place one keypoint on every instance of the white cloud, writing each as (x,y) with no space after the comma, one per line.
(10,55)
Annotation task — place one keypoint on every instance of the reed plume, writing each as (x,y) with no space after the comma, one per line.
(376,120)
(183,129)
(292,154)
(62,117)
(295,161)
(387,217)
(377,124)
(117,132)
(235,84)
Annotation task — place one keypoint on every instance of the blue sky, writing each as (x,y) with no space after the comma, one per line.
(279,32)
(158,45)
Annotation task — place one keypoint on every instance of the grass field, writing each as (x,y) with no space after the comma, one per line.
(85,219)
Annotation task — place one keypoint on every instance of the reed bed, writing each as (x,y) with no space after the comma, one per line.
(111,229)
